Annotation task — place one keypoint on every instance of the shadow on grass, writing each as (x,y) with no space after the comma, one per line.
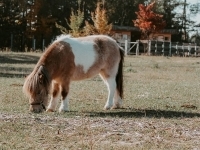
(13,75)
(14,72)
(11,70)
(18,59)
(143,113)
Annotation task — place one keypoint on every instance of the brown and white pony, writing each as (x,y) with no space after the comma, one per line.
(72,59)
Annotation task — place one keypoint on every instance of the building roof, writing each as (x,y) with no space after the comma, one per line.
(125,28)
(129,28)
(171,31)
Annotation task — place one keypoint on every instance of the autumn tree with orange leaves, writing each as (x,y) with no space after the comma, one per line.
(148,21)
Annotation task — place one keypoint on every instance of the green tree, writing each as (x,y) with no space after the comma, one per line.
(178,15)
(100,22)
(75,21)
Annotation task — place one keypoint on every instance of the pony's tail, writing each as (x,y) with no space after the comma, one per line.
(119,77)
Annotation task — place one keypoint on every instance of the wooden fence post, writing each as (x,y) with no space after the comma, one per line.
(195,48)
(34,42)
(126,47)
(149,47)
(163,48)
(170,49)
(11,42)
(43,44)
(137,48)
(189,49)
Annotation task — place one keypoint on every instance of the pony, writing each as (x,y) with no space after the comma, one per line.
(70,59)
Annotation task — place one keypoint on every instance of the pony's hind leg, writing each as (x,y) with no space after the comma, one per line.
(111,85)
(114,101)
(54,98)
(117,100)
(65,99)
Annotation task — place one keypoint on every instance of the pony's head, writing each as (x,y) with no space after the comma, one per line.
(36,87)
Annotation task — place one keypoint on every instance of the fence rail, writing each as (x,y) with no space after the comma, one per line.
(151,47)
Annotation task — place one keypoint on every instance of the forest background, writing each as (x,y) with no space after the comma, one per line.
(23,22)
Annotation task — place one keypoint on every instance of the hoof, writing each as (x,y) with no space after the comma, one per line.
(63,111)
(106,107)
(49,110)
(115,107)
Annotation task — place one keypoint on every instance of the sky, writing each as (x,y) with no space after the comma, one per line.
(195,18)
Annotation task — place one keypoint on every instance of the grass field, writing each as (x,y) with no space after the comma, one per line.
(161,108)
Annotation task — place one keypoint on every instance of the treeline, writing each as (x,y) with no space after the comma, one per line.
(24,23)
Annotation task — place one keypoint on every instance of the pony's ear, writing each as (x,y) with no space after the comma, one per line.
(41,75)
(26,76)
(41,78)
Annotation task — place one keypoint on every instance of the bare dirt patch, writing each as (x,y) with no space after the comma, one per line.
(82,132)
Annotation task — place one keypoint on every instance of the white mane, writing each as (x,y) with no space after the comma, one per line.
(62,37)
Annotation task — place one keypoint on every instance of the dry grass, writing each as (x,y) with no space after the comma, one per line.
(161,108)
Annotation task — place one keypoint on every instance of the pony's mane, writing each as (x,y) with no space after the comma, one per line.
(39,76)
(63,36)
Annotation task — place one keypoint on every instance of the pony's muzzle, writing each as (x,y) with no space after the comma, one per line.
(37,108)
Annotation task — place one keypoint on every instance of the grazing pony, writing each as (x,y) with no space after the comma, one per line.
(72,59)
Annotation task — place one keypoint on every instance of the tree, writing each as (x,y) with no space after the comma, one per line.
(166,8)
(148,21)
(40,18)
(184,18)
(22,20)
(179,15)
(12,22)
(76,20)
(121,12)
(40,24)
(100,22)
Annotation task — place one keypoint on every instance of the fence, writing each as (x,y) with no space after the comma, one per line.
(128,46)
(18,42)
(151,47)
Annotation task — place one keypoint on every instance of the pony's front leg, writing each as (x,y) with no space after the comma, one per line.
(64,107)
(111,84)
(65,100)
(54,98)
(53,104)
